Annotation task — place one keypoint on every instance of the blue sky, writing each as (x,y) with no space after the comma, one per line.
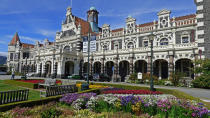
(40,19)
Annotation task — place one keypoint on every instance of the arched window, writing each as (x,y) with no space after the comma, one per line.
(130,45)
(67,49)
(164,41)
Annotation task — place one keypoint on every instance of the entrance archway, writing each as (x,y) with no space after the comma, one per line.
(97,67)
(48,68)
(184,66)
(123,69)
(161,69)
(141,66)
(109,65)
(69,68)
(85,67)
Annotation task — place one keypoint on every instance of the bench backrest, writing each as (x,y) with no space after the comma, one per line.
(13,96)
(59,90)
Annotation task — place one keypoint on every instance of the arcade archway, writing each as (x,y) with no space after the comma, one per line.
(141,66)
(184,66)
(161,69)
(97,67)
(123,69)
(109,68)
(69,68)
(48,68)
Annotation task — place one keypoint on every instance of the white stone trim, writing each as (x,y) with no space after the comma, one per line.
(199,32)
(201,40)
(200,7)
(200,24)
(199,16)
(199,0)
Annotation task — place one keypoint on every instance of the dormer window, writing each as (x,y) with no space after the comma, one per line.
(164,41)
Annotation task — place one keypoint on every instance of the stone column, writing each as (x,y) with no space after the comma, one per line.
(116,70)
(39,70)
(60,69)
(102,66)
(131,70)
(171,65)
(43,70)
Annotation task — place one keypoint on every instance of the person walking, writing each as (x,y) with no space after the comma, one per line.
(13,74)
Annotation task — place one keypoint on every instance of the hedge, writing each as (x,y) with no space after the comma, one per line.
(31,103)
(23,84)
(177,93)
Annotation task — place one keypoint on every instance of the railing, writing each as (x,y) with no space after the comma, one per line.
(187,45)
(13,96)
(59,90)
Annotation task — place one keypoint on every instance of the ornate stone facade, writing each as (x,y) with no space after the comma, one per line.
(120,52)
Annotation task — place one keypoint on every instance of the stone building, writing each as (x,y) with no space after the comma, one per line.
(177,43)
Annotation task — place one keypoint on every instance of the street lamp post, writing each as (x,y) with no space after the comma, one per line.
(151,38)
(88,54)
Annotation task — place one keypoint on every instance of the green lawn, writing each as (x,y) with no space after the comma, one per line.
(33,95)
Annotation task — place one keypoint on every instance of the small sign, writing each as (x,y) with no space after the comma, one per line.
(139,75)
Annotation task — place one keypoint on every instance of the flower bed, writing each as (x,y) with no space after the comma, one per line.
(168,107)
(131,92)
(92,86)
(36,81)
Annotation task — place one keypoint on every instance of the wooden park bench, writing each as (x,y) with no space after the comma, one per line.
(13,96)
(48,82)
(58,90)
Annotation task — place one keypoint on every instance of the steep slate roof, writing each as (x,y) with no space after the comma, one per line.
(84,26)
(15,39)
(25,45)
(152,23)
(117,30)
(185,17)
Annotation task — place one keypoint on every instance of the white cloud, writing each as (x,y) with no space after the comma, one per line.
(29,38)
(47,33)
(3,54)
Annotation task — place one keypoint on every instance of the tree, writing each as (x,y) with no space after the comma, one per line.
(203,72)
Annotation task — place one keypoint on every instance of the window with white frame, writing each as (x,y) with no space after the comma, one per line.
(130,45)
(145,43)
(185,39)
(164,41)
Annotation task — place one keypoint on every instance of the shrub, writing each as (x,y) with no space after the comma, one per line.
(176,77)
(146,77)
(202,81)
